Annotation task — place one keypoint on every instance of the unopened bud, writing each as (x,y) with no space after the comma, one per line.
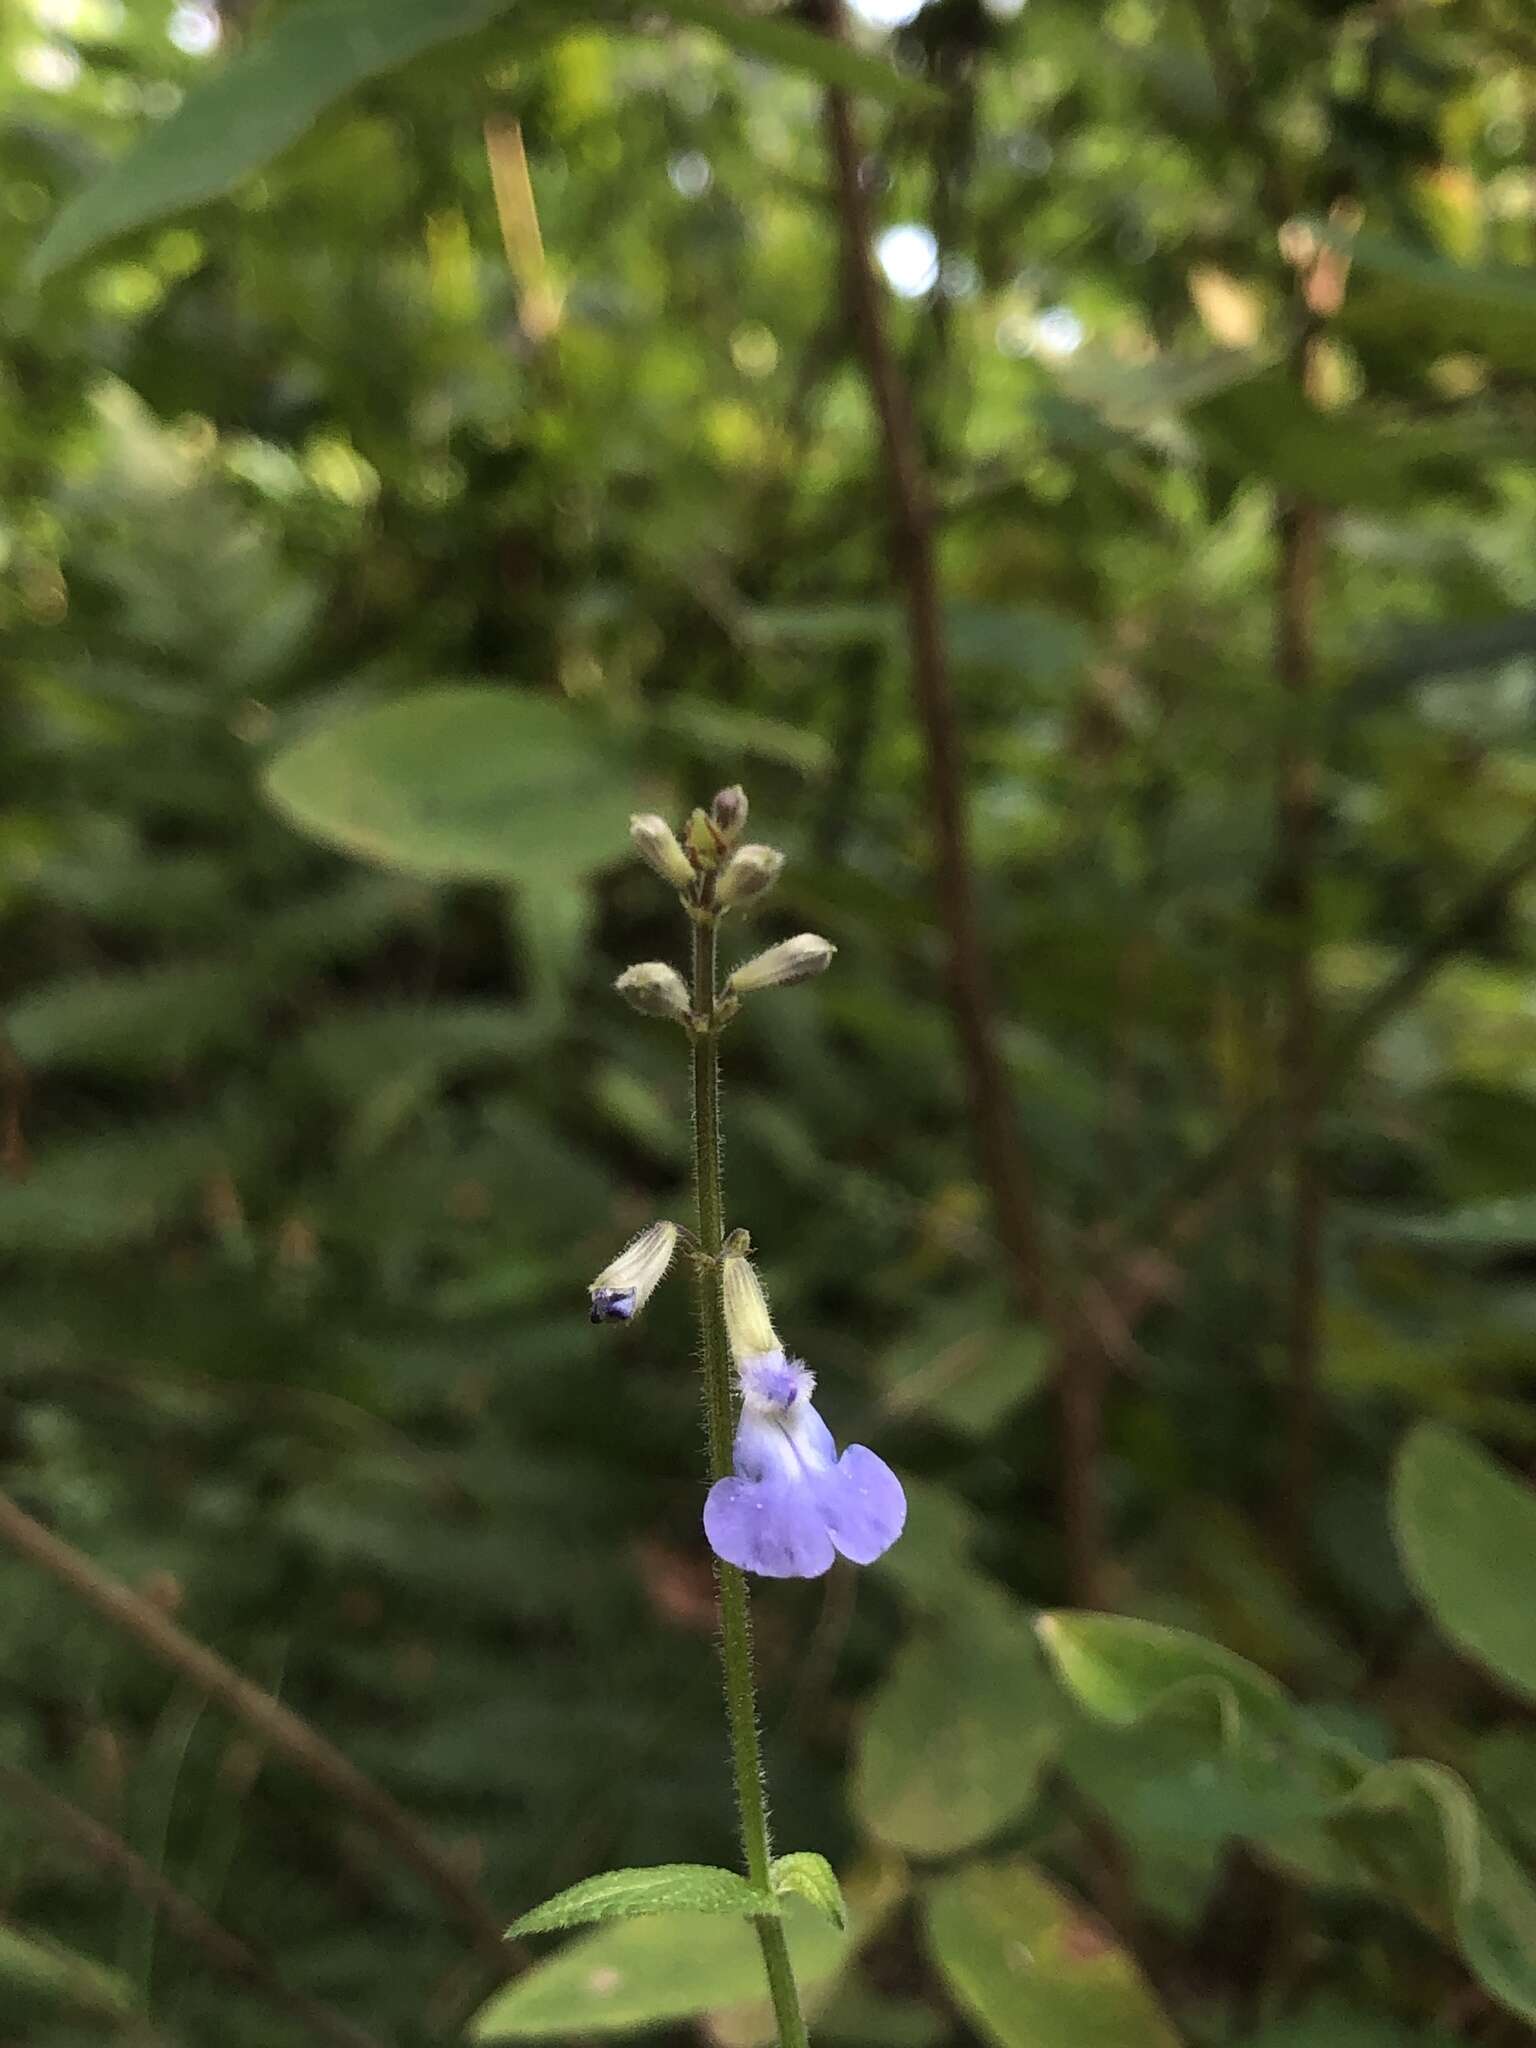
(704,842)
(657,845)
(750,871)
(729,813)
(747,1321)
(795,959)
(621,1290)
(655,989)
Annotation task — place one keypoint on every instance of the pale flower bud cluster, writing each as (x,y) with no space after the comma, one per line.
(714,872)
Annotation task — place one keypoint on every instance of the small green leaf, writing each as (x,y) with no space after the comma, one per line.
(254,106)
(646,1973)
(657,1888)
(463,783)
(1033,1969)
(813,1877)
(1466,1529)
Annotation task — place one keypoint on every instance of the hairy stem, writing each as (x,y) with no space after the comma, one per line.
(735,1613)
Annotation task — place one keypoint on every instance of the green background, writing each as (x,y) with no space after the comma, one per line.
(354,589)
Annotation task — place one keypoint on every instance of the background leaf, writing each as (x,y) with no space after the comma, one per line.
(259,104)
(1033,1969)
(462,784)
(1462,1521)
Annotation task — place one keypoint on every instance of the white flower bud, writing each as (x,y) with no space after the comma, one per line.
(750,871)
(657,845)
(655,989)
(747,1321)
(729,813)
(795,959)
(621,1290)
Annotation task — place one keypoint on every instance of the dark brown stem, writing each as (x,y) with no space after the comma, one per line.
(278,1726)
(1299,538)
(226,1951)
(1079,1364)
(1299,541)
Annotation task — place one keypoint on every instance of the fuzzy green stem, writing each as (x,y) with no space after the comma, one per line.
(735,1615)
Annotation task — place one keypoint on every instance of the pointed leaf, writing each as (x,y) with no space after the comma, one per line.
(813,1877)
(658,1888)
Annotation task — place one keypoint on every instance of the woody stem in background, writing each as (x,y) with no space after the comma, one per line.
(1079,1360)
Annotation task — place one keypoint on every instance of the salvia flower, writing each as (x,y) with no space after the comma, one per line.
(621,1290)
(792,1503)
(791,960)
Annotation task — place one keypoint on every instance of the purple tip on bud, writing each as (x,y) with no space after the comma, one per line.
(612,1304)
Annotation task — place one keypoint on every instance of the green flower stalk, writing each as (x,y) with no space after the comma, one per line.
(782,1502)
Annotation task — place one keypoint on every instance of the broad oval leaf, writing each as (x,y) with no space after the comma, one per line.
(813,1878)
(657,1888)
(463,783)
(1467,1532)
(1034,1969)
(644,1973)
(1120,1669)
(954,1742)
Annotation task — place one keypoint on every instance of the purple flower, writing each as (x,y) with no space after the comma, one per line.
(793,1502)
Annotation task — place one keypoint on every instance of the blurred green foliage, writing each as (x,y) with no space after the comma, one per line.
(352,590)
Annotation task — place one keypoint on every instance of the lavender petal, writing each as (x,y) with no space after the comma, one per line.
(771,1526)
(862,1504)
